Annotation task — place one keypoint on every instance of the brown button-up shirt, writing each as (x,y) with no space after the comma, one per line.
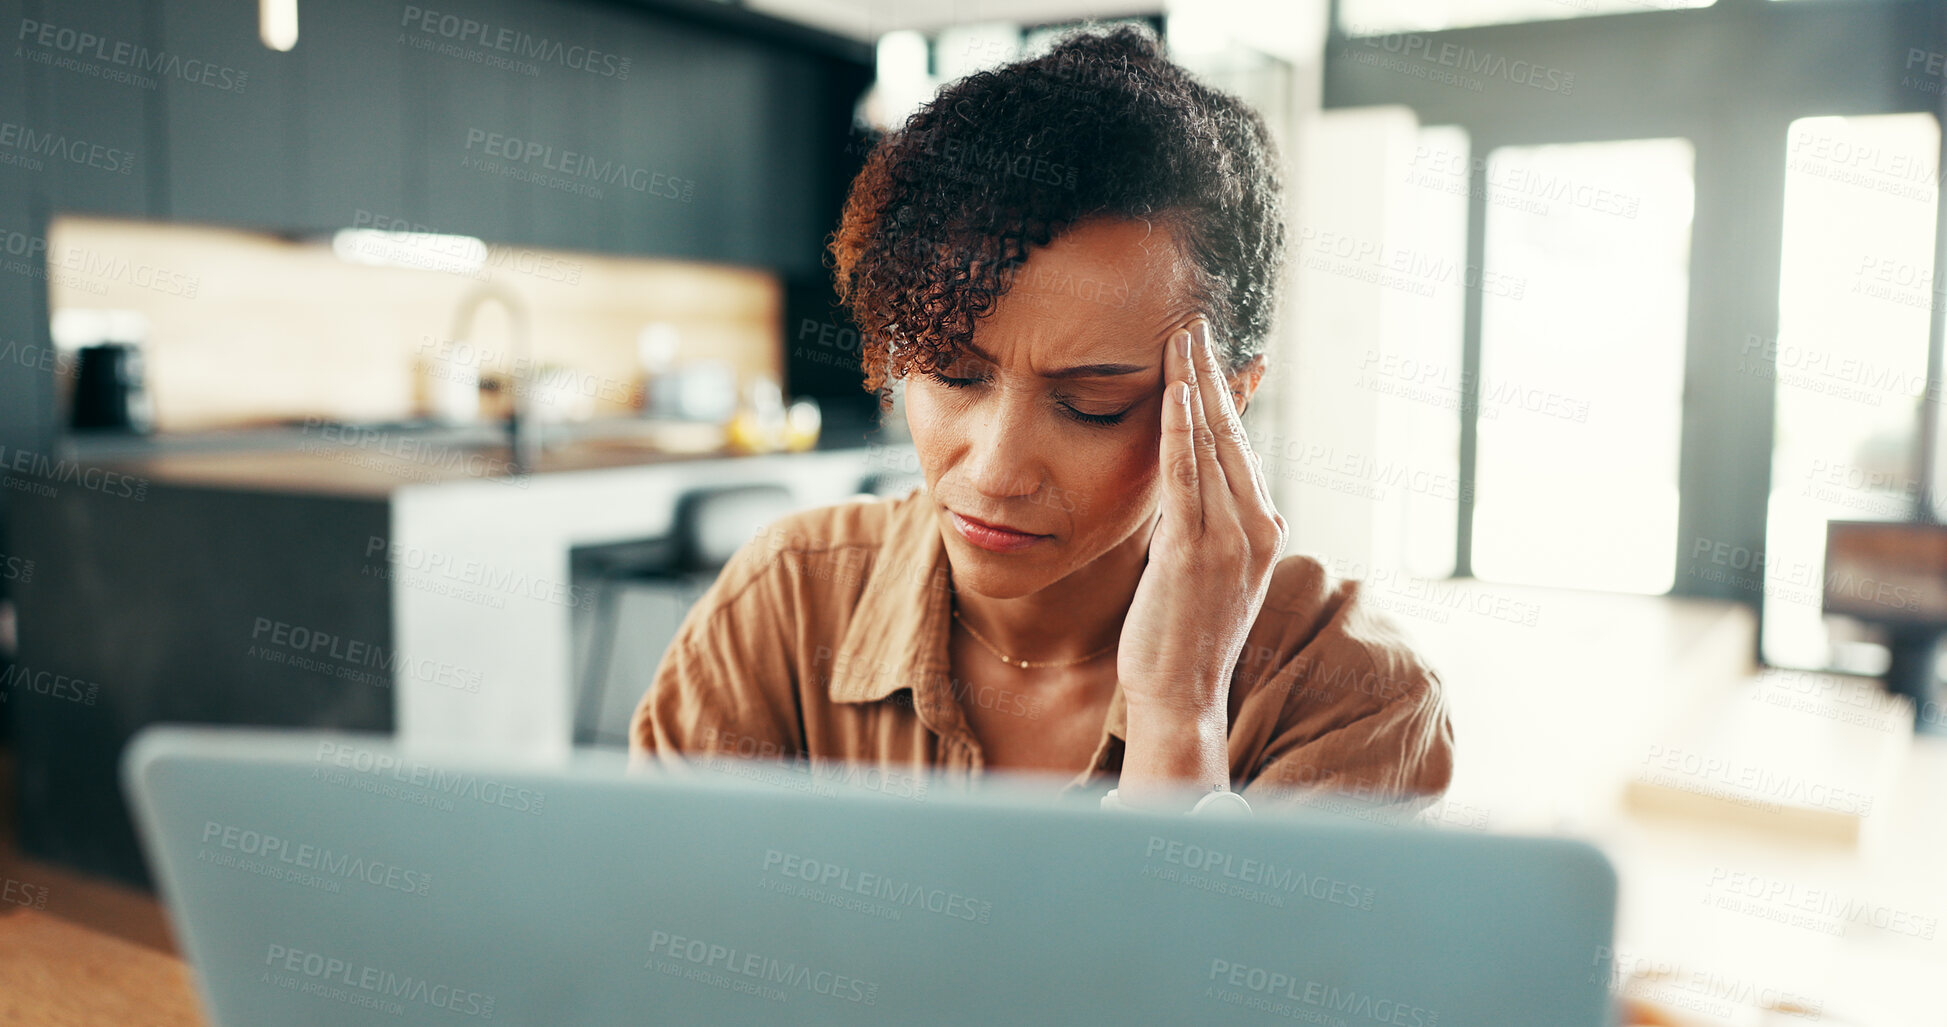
(825,638)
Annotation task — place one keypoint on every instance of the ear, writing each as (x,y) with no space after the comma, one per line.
(1244,382)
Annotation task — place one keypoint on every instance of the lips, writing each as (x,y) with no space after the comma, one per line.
(997,538)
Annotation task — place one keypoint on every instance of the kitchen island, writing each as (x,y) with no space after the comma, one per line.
(371,581)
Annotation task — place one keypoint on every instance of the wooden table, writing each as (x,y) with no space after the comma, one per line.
(57,974)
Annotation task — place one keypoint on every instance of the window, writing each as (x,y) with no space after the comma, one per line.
(1584,300)
(1416,370)
(1379,17)
(1856,287)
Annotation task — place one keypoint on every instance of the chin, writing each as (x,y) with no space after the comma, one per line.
(998,575)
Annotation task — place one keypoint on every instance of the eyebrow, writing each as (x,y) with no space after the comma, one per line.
(1078,371)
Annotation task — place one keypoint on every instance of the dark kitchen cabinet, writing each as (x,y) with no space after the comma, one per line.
(26,360)
(311,139)
(675,116)
(234,119)
(156,658)
(465,111)
(26,378)
(352,162)
(562,101)
(74,111)
(724,142)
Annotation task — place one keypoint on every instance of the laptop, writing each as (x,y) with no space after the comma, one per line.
(331,878)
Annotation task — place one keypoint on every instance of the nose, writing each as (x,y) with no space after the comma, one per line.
(1003,461)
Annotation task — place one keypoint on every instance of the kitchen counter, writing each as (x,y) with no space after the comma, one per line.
(372,461)
(375,472)
(360,587)
(480,580)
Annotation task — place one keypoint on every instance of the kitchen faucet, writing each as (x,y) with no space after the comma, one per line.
(523,442)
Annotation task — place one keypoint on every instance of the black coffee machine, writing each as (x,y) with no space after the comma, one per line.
(109,395)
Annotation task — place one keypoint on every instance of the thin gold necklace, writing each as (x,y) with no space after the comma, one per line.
(1024,664)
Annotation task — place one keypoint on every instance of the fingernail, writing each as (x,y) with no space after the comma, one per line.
(1183,393)
(1183,343)
(1201,330)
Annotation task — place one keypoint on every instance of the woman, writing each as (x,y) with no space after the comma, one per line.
(1071,264)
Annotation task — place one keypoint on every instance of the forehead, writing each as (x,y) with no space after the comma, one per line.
(1103,290)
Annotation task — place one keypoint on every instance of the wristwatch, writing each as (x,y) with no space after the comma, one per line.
(1221,802)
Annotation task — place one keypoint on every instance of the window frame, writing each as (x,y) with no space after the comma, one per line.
(1694,74)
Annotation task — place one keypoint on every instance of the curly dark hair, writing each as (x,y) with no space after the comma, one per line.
(948,206)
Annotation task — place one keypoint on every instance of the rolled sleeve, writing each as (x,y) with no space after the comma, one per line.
(1364,723)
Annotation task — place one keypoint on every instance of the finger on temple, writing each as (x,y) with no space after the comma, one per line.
(1227,451)
(1182,499)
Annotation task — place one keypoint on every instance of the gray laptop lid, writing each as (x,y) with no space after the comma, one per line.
(328,879)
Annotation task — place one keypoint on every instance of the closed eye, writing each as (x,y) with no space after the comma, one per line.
(956,383)
(1099,420)
(1103,420)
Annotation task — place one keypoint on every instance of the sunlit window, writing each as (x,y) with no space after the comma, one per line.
(1377,17)
(1856,287)
(1585,292)
(1416,370)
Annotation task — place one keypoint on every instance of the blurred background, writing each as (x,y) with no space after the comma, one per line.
(413,368)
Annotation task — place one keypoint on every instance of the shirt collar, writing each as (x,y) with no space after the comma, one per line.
(898,635)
